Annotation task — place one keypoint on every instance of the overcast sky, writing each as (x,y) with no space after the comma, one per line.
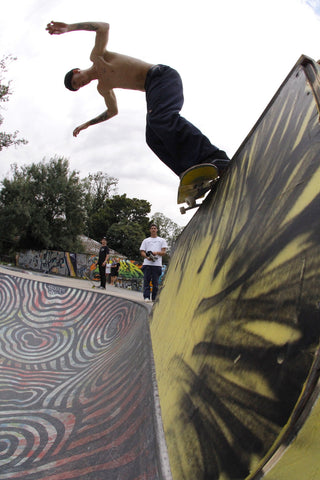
(232,56)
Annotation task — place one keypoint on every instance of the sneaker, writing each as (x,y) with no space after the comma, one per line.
(147,300)
(221,161)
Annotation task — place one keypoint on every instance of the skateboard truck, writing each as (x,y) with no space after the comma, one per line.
(198,192)
(195,183)
(183,210)
(191,201)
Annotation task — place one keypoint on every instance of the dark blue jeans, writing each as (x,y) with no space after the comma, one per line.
(177,142)
(151,274)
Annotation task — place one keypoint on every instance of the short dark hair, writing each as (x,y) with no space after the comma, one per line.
(68,80)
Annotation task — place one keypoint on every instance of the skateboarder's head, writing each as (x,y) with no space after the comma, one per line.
(76,79)
(68,80)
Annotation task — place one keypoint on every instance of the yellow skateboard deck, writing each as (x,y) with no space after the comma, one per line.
(194,183)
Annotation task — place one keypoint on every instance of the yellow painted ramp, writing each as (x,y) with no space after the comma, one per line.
(236,329)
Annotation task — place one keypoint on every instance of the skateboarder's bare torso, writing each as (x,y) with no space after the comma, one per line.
(115,70)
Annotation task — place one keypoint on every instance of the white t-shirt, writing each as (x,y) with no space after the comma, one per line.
(154,245)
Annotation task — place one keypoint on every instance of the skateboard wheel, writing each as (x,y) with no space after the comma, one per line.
(190,201)
(182,210)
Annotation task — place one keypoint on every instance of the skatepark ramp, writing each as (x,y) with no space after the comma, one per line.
(236,329)
(77,397)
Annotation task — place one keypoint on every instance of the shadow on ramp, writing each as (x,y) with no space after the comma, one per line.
(236,329)
(76,385)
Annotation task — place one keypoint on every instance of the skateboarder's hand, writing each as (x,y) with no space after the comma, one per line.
(151,256)
(57,28)
(77,130)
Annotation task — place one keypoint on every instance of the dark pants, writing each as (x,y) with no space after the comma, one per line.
(102,273)
(177,142)
(151,274)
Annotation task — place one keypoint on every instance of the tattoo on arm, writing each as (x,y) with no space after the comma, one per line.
(100,118)
(90,27)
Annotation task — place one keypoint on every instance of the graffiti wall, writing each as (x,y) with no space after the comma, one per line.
(49,261)
(73,264)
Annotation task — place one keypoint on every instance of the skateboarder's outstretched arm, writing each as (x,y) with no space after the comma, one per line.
(112,110)
(102,36)
(101,29)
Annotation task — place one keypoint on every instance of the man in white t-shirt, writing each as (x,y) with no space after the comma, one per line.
(152,249)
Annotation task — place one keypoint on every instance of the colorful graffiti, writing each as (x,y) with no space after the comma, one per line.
(236,329)
(130,269)
(49,261)
(74,265)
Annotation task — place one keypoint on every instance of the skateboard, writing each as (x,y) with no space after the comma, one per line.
(195,183)
(151,257)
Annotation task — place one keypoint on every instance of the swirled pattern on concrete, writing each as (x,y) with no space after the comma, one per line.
(236,329)
(76,390)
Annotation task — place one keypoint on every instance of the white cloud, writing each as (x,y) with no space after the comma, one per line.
(314,4)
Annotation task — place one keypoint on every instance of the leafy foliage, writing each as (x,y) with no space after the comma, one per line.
(126,237)
(98,188)
(7,139)
(122,220)
(45,206)
(41,207)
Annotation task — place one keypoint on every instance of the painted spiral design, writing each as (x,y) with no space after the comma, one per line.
(30,346)
(52,305)
(29,437)
(76,396)
(9,301)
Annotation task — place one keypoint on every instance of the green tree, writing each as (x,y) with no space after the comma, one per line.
(41,207)
(128,221)
(129,210)
(7,139)
(98,189)
(98,223)
(126,238)
(104,210)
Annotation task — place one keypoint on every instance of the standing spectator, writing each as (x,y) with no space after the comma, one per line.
(114,271)
(102,261)
(152,249)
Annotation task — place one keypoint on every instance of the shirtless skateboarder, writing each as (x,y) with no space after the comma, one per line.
(178,143)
